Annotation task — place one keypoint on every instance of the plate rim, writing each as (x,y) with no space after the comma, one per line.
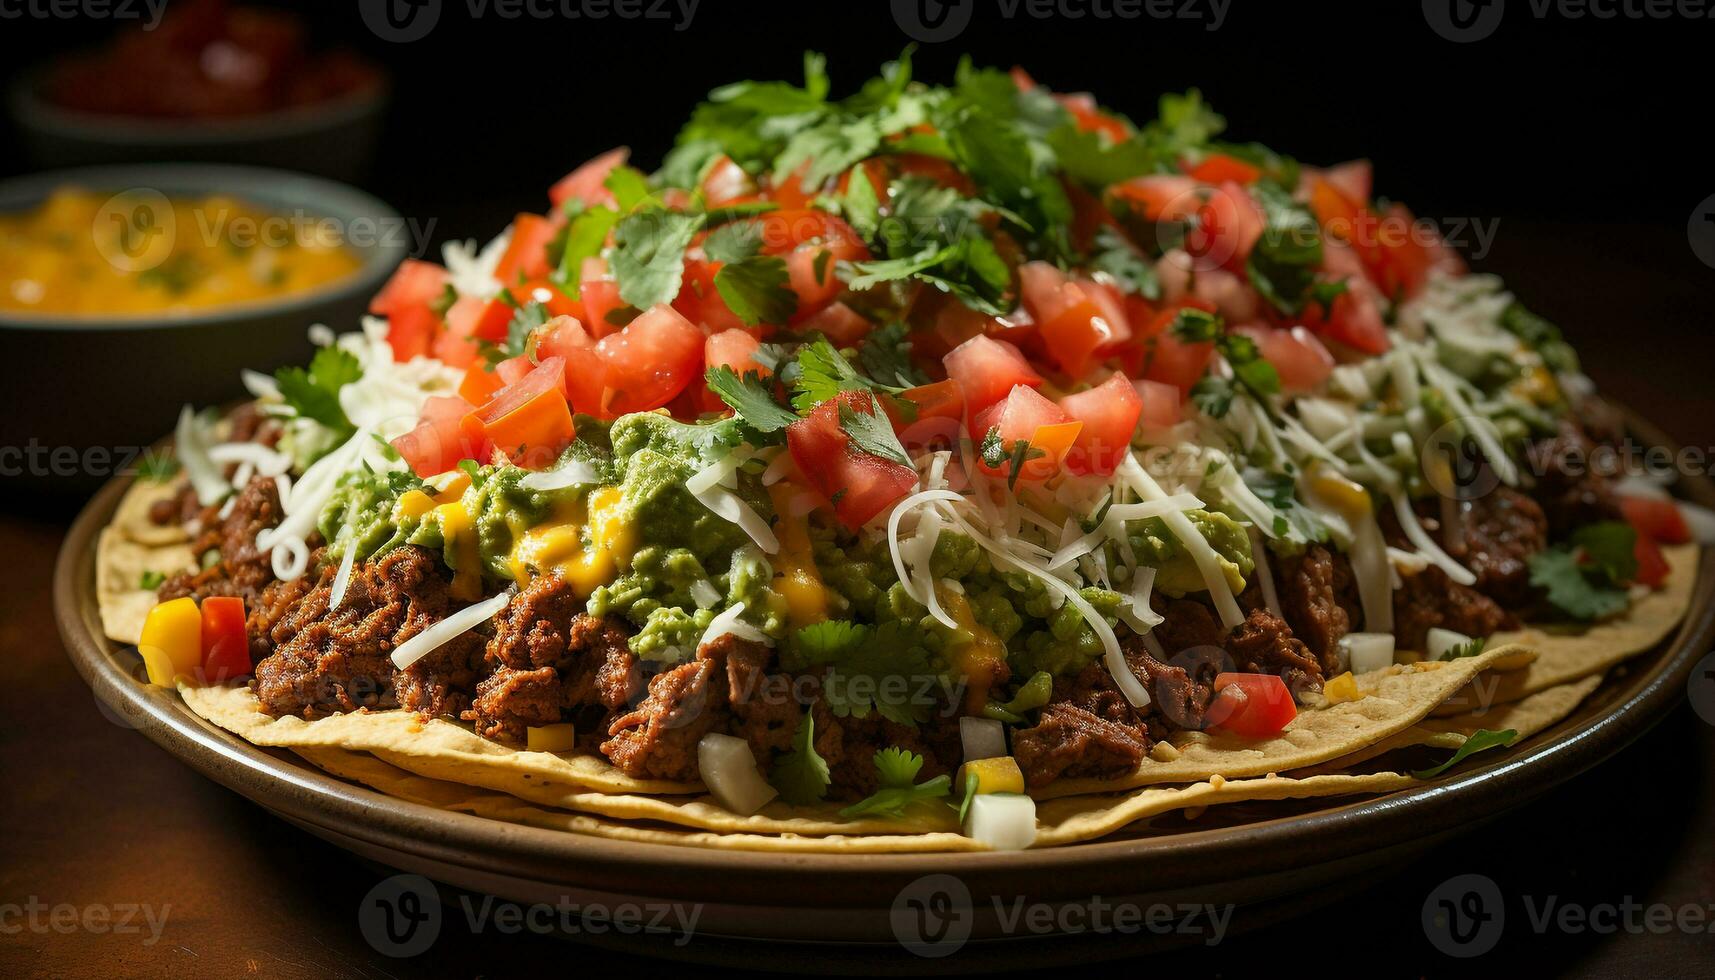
(1445,807)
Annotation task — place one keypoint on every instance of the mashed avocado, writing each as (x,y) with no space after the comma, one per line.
(1176,571)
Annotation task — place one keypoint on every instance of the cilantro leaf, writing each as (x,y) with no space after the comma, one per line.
(756,289)
(628,186)
(1195,326)
(648,260)
(733,242)
(1542,337)
(885,668)
(897,786)
(1283,263)
(972,781)
(1121,260)
(1213,396)
(151,580)
(886,355)
(823,372)
(583,239)
(801,775)
(872,432)
(314,393)
(1558,573)
(1468,649)
(526,320)
(750,397)
(1479,741)
(1609,550)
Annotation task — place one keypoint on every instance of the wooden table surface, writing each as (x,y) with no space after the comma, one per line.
(98,825)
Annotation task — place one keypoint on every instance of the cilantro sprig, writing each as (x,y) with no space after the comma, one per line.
(313,392)
(801,775)
(1585,578)
(896,772)
(1479,741)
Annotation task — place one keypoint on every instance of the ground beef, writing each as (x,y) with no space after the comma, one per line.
(1319,598)
(658,738)
(1072,742)
(181,508)
(326,661)
(1188,624)
(1429,599)
(241,569)
(1568,487)
(765,706)
(247,423)
(849,745)
(1264,644)
(547,659)
(1494,536)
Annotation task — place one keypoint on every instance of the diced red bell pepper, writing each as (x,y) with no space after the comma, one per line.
(225,644)
(1251,705)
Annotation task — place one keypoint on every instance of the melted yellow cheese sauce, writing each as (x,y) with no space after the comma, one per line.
(82,253)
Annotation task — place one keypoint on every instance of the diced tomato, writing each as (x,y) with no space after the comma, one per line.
(513,369)
(941,399)
(1353,319)
(1161,197)
(1652,564)
(701,303)
(1339,213)
(733,349)
(439,441)
(586,183)
(225,644)
(842,325)
(939,418)
(858,484)
(1022,79)
(1109,412)
(1159,403)
(1219,168)
(1353,179)
(1173,361)
(407,301)
(549,295)
(600,295)
(478,384)
(527,420)
(1656,518)
(726,182)
(810,274)
(639,368)
(1298,357)
(526,255)
(987,370)
(1026,414)
(1075,317)
(471,321)
(1251,705)
(561,335)
(791,192)
(1090,119)
(1411,252)
(1228,226)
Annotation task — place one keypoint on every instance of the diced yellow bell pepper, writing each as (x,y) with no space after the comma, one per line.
(414,503)
(1350,499)
(159,666)
(551,738)
(175,628)
(998,775)
(1341,688)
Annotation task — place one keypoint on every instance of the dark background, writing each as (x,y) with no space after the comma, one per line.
(1581,137)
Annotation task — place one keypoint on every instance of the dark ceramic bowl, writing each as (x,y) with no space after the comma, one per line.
(336,138)
(846,913)
(82,391)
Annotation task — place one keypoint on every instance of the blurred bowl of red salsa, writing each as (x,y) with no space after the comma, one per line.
(211,82)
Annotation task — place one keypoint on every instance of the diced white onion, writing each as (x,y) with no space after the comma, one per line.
(704,594)
(571,473)
(342,578)
(1264,575)
(1439,641)
(1701,521)
(728,622)
(982,738)
(1639,485)
(728,769)
(1003,821)
(1368,651)
(458,624)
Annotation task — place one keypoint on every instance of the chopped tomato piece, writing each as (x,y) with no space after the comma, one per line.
(527,420)
(1173,361)
(701,302)
(1652,564)
(810,274)
(1090,119)
(842,325)
(1109,412)
(1251,705)
(1075,317)
(225,644)
(526,255)
(1228,226)
(987,370)
(1352,178)
(470,322)
(1159,403)
(600,295)
(1656,518)
(1298,357)
(407,301)
(1161,197)
(513,369)
(1026,414)
(439,441)
(858,484)
(940,416)
(549,295)
(588,182)
(1219,168)
(562,335)
(478,384)
(726,182)
(1354,318)
(733,349)
(639,368)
